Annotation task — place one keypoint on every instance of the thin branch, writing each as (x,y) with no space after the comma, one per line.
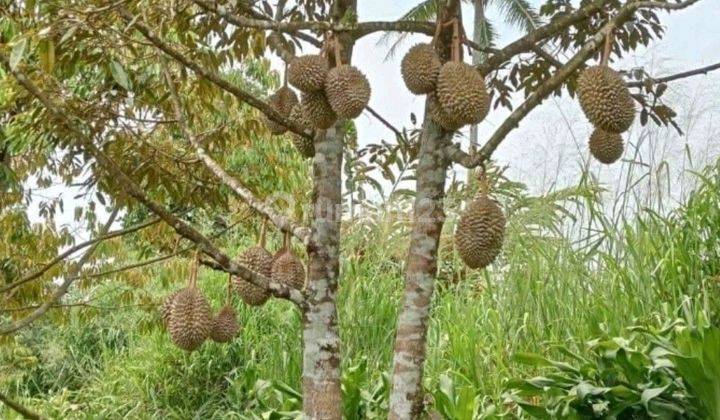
(283,223)
(135,191)
(64,287)
(160,258)
(213,77)
(385,122)
(540,51)
(358,30)
(74,249)
(663,5)
(18,408)
(673,77)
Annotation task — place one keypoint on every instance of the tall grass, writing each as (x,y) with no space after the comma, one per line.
(570,270)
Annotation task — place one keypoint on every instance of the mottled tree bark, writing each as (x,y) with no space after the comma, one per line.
(477,56)
(322,397)
(406,399)
(321,356)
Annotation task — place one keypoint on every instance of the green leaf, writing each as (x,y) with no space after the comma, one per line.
(651,393)
(17,53)
(531,359)
(120,76)
(46,52)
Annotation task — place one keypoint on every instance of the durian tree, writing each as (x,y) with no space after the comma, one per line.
(129,95)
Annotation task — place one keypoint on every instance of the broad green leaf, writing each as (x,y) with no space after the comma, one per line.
(46,52)
(18,51)
(120,76)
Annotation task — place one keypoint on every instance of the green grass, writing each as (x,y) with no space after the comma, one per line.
(568,273)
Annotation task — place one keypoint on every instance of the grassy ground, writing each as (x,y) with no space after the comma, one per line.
(568,273)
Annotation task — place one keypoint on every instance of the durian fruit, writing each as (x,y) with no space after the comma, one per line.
(260,261)
(190,317)
(224,325)
(606,147)
(480,232)
(462,93)
(420,68)
(347,90)
(283,102)
(166,306)
(318,110)
(287,268)
(438,114)
(308,72)
(304,145)
(605,99)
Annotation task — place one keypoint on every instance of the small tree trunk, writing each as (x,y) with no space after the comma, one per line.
(406,399)
(477,57)
(321,353)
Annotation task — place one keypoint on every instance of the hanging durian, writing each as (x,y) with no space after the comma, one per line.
(224,325)
(283,102)
(347,90)
(604,96)
(190,315)
(318,110)
(259,260)
(305,146)
(287,269)
(481,229)
(606,147)
(308,73)
(420,68)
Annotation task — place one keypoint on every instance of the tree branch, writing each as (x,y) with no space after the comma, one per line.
(151,261)
(18,408)
(64,287)
(74,249)
(275,41)
(358,30)
(384,122)
(528,42)
(677,76)
(135,191)
(283,223)
(662,5)
(213,77)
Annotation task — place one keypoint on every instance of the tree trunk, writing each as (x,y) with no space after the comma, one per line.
(322,396)
(477,57)
(321,353)
(406,399)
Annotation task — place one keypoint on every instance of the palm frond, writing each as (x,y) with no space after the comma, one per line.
(518,13)
(425,11)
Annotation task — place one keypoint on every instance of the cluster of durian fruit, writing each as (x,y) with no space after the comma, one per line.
(328,94)
(457,96)
(606,102)
(187,313)
(456,91)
